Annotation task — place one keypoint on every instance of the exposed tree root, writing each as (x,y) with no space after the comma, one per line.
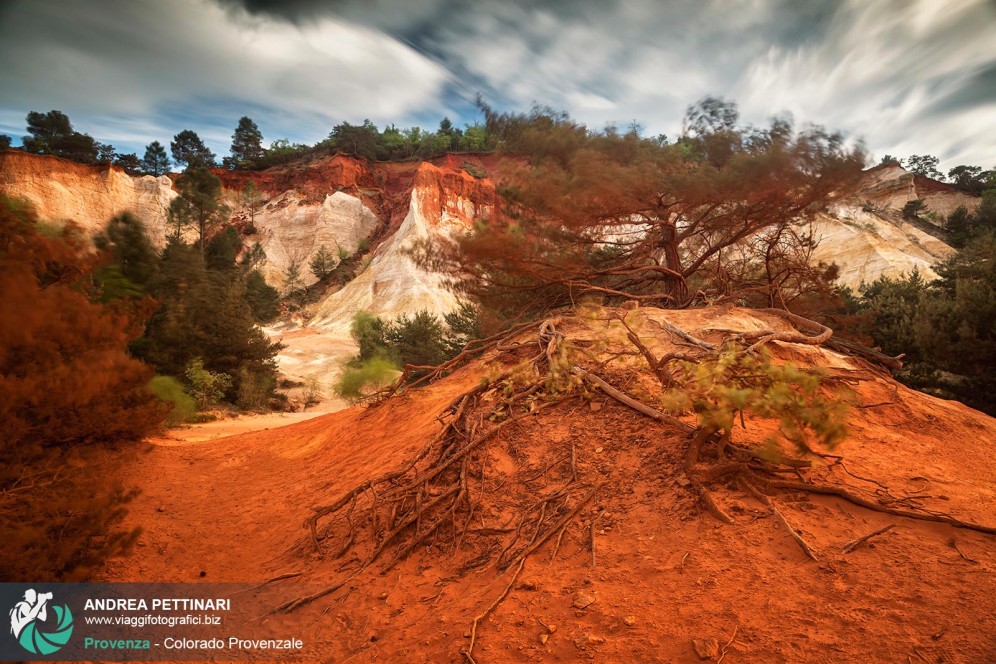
(853,544)
(440,497)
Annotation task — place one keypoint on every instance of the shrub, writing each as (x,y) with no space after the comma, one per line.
(169,391)
(313,392)
(912,209)
(206,387)
(719,387)
(69,392)
(322,263)
(255,389)
(366,377)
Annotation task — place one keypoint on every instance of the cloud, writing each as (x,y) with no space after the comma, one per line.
(886,71)
(909,77)
(119,64)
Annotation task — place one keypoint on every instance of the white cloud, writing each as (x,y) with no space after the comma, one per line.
(166,60)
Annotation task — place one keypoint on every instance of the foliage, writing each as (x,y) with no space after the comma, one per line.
(52,134)
(189,150)
(313,392)
(913,208)
(925,165)
(198,203)
(464,325)
(292,278)
(623,216)
(252,198)
(128,162)
(68,391)
(419,339)
(255,389)
(206,387)
(205,313)
(4,142)
(155,161)
(263,299)
(170,391)
(322,263)
(370,375)
(728,383)
(971,179)
(247,145)
(945,329)
(357,140)
(367,331)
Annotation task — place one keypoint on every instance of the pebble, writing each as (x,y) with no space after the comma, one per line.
(583,599)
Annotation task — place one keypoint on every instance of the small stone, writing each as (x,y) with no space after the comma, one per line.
(383,595)
(543,638)
(598,450)
(160,509)
(595,639)
(706,648)
(683,481)
(528,585)
(203,574)
(551,628)
(630,620)
(584,599)
(596,406)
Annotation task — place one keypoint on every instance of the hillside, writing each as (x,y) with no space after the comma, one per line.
(642,569)
(375,213)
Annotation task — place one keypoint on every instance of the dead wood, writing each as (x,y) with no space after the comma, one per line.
(855,543)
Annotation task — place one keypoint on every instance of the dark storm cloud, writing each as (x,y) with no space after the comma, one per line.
(909,76)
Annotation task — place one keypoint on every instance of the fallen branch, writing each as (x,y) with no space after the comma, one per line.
(629,401)
(853,544)
(849,496)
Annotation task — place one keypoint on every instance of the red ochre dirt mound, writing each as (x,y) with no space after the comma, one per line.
(663,576)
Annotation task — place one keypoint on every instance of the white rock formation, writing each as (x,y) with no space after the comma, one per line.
(290,228)
(867,246)
(443,204)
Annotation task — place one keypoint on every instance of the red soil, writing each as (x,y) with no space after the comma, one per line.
(666,572)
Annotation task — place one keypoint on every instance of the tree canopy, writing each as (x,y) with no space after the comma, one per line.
(247,145)
(189,150)
(155,162)
(623,216)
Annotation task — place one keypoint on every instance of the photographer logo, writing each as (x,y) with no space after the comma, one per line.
(29,623)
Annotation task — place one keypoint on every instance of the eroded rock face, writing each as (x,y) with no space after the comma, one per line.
(890,187)
(62,190)
(866,246)
(444,202)
(293,228)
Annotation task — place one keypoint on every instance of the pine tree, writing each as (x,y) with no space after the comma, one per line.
(188,149)
(155,162)
(198,204)
(247,145)
(322,263)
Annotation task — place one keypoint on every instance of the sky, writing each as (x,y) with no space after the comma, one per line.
(905,76)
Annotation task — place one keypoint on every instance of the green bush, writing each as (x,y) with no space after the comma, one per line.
(206,387)
(255,389)
(366,377)
(169,390)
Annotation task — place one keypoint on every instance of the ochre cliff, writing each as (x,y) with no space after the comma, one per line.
(443,203)
(63,190)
